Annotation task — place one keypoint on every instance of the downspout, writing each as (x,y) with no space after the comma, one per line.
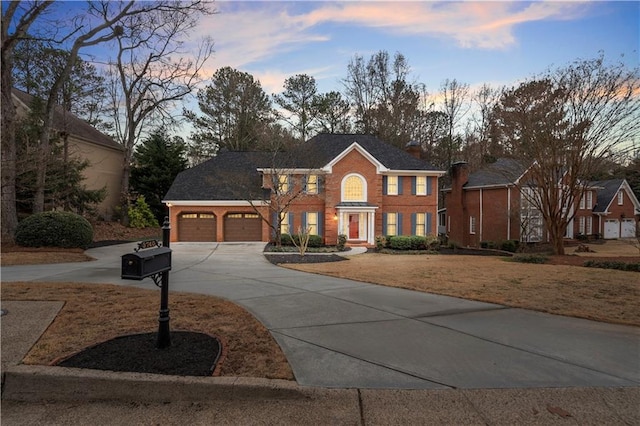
(481,215)
(508,212)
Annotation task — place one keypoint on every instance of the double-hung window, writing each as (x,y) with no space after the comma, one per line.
(312,223)
(392,223)
(392,185)
(620,198)
(421,185)
(283,184)
(311,184)
(421,224)
(472,224)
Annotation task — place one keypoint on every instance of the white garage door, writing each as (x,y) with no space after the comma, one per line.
(611,228)
(628,228)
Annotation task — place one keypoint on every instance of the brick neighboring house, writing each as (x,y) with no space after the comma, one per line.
(487,205)
(105,156)
(355,185)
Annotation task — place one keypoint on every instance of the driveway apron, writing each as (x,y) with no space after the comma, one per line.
(348,334)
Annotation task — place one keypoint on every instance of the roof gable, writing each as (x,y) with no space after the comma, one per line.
(607,192)
(355,147)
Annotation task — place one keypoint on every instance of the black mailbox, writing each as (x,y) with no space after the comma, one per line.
(144,263)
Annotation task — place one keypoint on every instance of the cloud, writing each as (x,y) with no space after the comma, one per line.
(247,34)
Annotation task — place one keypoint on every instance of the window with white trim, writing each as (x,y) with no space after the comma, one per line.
(472,224)
(392,223)
(421,224)
(582,201)
(590,200)
(311,184)
(392,185)
(353,189)
(283,184)
(620,198)
(284,223)
(312,223)
(589,225)
(421,185)
(582,225)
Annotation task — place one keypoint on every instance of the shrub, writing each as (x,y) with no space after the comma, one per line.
(381,242)
(285,240)
(509,245)
(400,242)
(418,242)
(342,241)
(54,229)
(530,258)
(622,266)
(141,216)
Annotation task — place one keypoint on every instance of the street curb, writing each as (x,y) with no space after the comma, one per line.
(42,383)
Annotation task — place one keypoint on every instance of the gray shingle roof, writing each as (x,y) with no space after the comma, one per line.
(210,180)
(325,147)
(65,120)
(606,194)
(503,172)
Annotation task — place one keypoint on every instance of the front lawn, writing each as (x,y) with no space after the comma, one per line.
(598,294)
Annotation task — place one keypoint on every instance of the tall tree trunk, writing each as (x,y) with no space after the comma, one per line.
(8,154)
(124,187)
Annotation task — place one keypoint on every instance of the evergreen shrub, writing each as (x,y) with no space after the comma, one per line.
(54,229)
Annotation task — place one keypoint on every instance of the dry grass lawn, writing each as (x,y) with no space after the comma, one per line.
(598,294)
(95,313)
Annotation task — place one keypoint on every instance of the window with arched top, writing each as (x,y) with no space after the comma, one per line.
(354,188)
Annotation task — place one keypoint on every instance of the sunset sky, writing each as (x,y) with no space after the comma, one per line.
(475,42)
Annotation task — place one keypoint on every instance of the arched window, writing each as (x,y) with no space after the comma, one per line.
(354,188)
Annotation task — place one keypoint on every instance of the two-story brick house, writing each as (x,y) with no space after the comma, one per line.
(488,205)
(356,185)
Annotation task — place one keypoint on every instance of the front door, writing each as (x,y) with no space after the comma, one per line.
(354,226)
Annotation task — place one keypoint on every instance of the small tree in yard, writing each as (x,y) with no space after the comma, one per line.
(302,240)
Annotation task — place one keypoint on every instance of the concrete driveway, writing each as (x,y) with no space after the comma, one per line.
(347,334)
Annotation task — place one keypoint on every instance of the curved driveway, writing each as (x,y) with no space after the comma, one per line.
(348,334)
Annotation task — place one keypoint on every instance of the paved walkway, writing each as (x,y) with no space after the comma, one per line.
(346,334)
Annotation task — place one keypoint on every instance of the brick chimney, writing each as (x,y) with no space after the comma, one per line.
(456,206)
(414,148)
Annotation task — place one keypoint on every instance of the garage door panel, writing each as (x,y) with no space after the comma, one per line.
(197,227)
(628,228)
(242,227)
(611,228)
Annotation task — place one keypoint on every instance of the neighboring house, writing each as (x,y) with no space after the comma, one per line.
(488,206)
(356,185)
(105,156)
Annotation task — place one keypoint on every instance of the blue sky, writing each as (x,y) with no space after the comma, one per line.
(475,42)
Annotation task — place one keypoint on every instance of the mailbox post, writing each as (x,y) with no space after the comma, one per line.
(164,335)
(154,263)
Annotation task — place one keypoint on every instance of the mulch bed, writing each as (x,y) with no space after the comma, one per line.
(190,354)
(308,258)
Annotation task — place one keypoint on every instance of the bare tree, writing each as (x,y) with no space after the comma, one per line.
(16,22)
(567,123)
(455,106)
(151,72)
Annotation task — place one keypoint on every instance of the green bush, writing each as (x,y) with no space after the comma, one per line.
(342,241)
(510,245)
(418,242)
(530,258)
(381,242)
(54,229)
(400,242)
(141,216)
(621,266)
(287,240)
